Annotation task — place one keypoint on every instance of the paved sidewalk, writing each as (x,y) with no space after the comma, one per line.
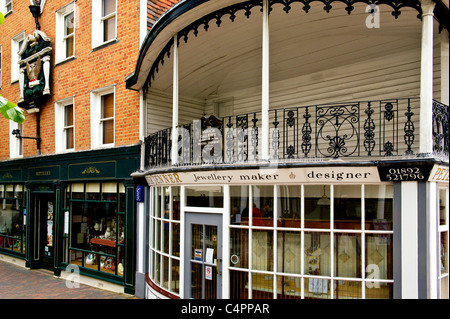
(20,283)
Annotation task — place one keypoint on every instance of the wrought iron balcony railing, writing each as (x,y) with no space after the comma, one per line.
(382,128)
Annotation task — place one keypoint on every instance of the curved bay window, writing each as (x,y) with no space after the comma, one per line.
(12,218)
(165,238)
(95,226)
(311,241)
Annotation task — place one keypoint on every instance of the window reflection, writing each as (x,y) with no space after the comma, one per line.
(97,229)
(12,218)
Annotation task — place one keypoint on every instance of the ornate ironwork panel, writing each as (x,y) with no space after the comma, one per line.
(337,130)
(389,127)
(440,128)
(369,130)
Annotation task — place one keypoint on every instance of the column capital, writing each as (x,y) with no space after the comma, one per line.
(427,7)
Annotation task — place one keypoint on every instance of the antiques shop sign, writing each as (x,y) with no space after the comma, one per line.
(269,176)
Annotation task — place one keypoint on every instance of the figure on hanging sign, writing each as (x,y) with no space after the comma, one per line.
(34,69)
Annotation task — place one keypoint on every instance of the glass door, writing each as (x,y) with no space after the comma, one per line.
(44,212)
(203,279)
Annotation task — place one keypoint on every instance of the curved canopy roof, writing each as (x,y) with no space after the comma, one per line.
(221,40)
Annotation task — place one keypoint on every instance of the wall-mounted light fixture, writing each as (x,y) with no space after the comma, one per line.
(17,134)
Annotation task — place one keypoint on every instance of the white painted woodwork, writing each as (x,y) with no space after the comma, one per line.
(426,78)
(315,58)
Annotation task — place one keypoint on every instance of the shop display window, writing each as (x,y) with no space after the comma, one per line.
(12,217)
(307,241)
(328,242)
(443,242)
(209,196)
(165,237)
(95,226)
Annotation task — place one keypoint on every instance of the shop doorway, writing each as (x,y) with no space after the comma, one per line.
(203,261)
(44,212)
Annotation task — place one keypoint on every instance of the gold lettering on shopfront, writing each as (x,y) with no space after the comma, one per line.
(7,175)
(90,170)
(43,173)
(441,174)
(173,178)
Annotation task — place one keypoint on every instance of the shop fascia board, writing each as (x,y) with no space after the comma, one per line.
(95,155)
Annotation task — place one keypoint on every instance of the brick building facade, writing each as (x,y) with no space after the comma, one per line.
(75,185)
(91,67)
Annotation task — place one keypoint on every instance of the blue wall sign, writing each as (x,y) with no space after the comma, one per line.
(140,196)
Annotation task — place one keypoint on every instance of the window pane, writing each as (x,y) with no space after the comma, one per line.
(347,207)
(69,46)
(175,203)
(347,255)
(443,206)
(208,196)
(109,191)
(444,253)
(69,138)
(175,239)
(378,201)
(239,248)
(68,115)
(346,289)
(238,284)
(262,209)
(379,256)
(175,276)
(108,132)
(68,24)
(379,290)
(317,254)
(107,106)
(77,191)
(289,199)
(93,191)
(317,206)
(317,288)
(109,6)
(288,287)
(109,29)
(239,205)
(289,252)
(262,286)
(262,250)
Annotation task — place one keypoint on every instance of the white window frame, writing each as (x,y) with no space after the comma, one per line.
(15,144)
(96,119)
(60,37)
(3,8)
(60,128)
(15,47)
(97,24)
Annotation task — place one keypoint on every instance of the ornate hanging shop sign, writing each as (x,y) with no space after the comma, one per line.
(34,70)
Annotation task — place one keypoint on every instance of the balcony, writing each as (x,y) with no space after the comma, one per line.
(354,131)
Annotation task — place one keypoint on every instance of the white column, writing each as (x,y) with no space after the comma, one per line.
(265,82)
(46,67)
(426,78)
(444,68)
(175,102)
(409,243)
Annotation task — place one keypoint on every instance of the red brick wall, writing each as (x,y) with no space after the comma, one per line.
(156,8)
(88,71)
